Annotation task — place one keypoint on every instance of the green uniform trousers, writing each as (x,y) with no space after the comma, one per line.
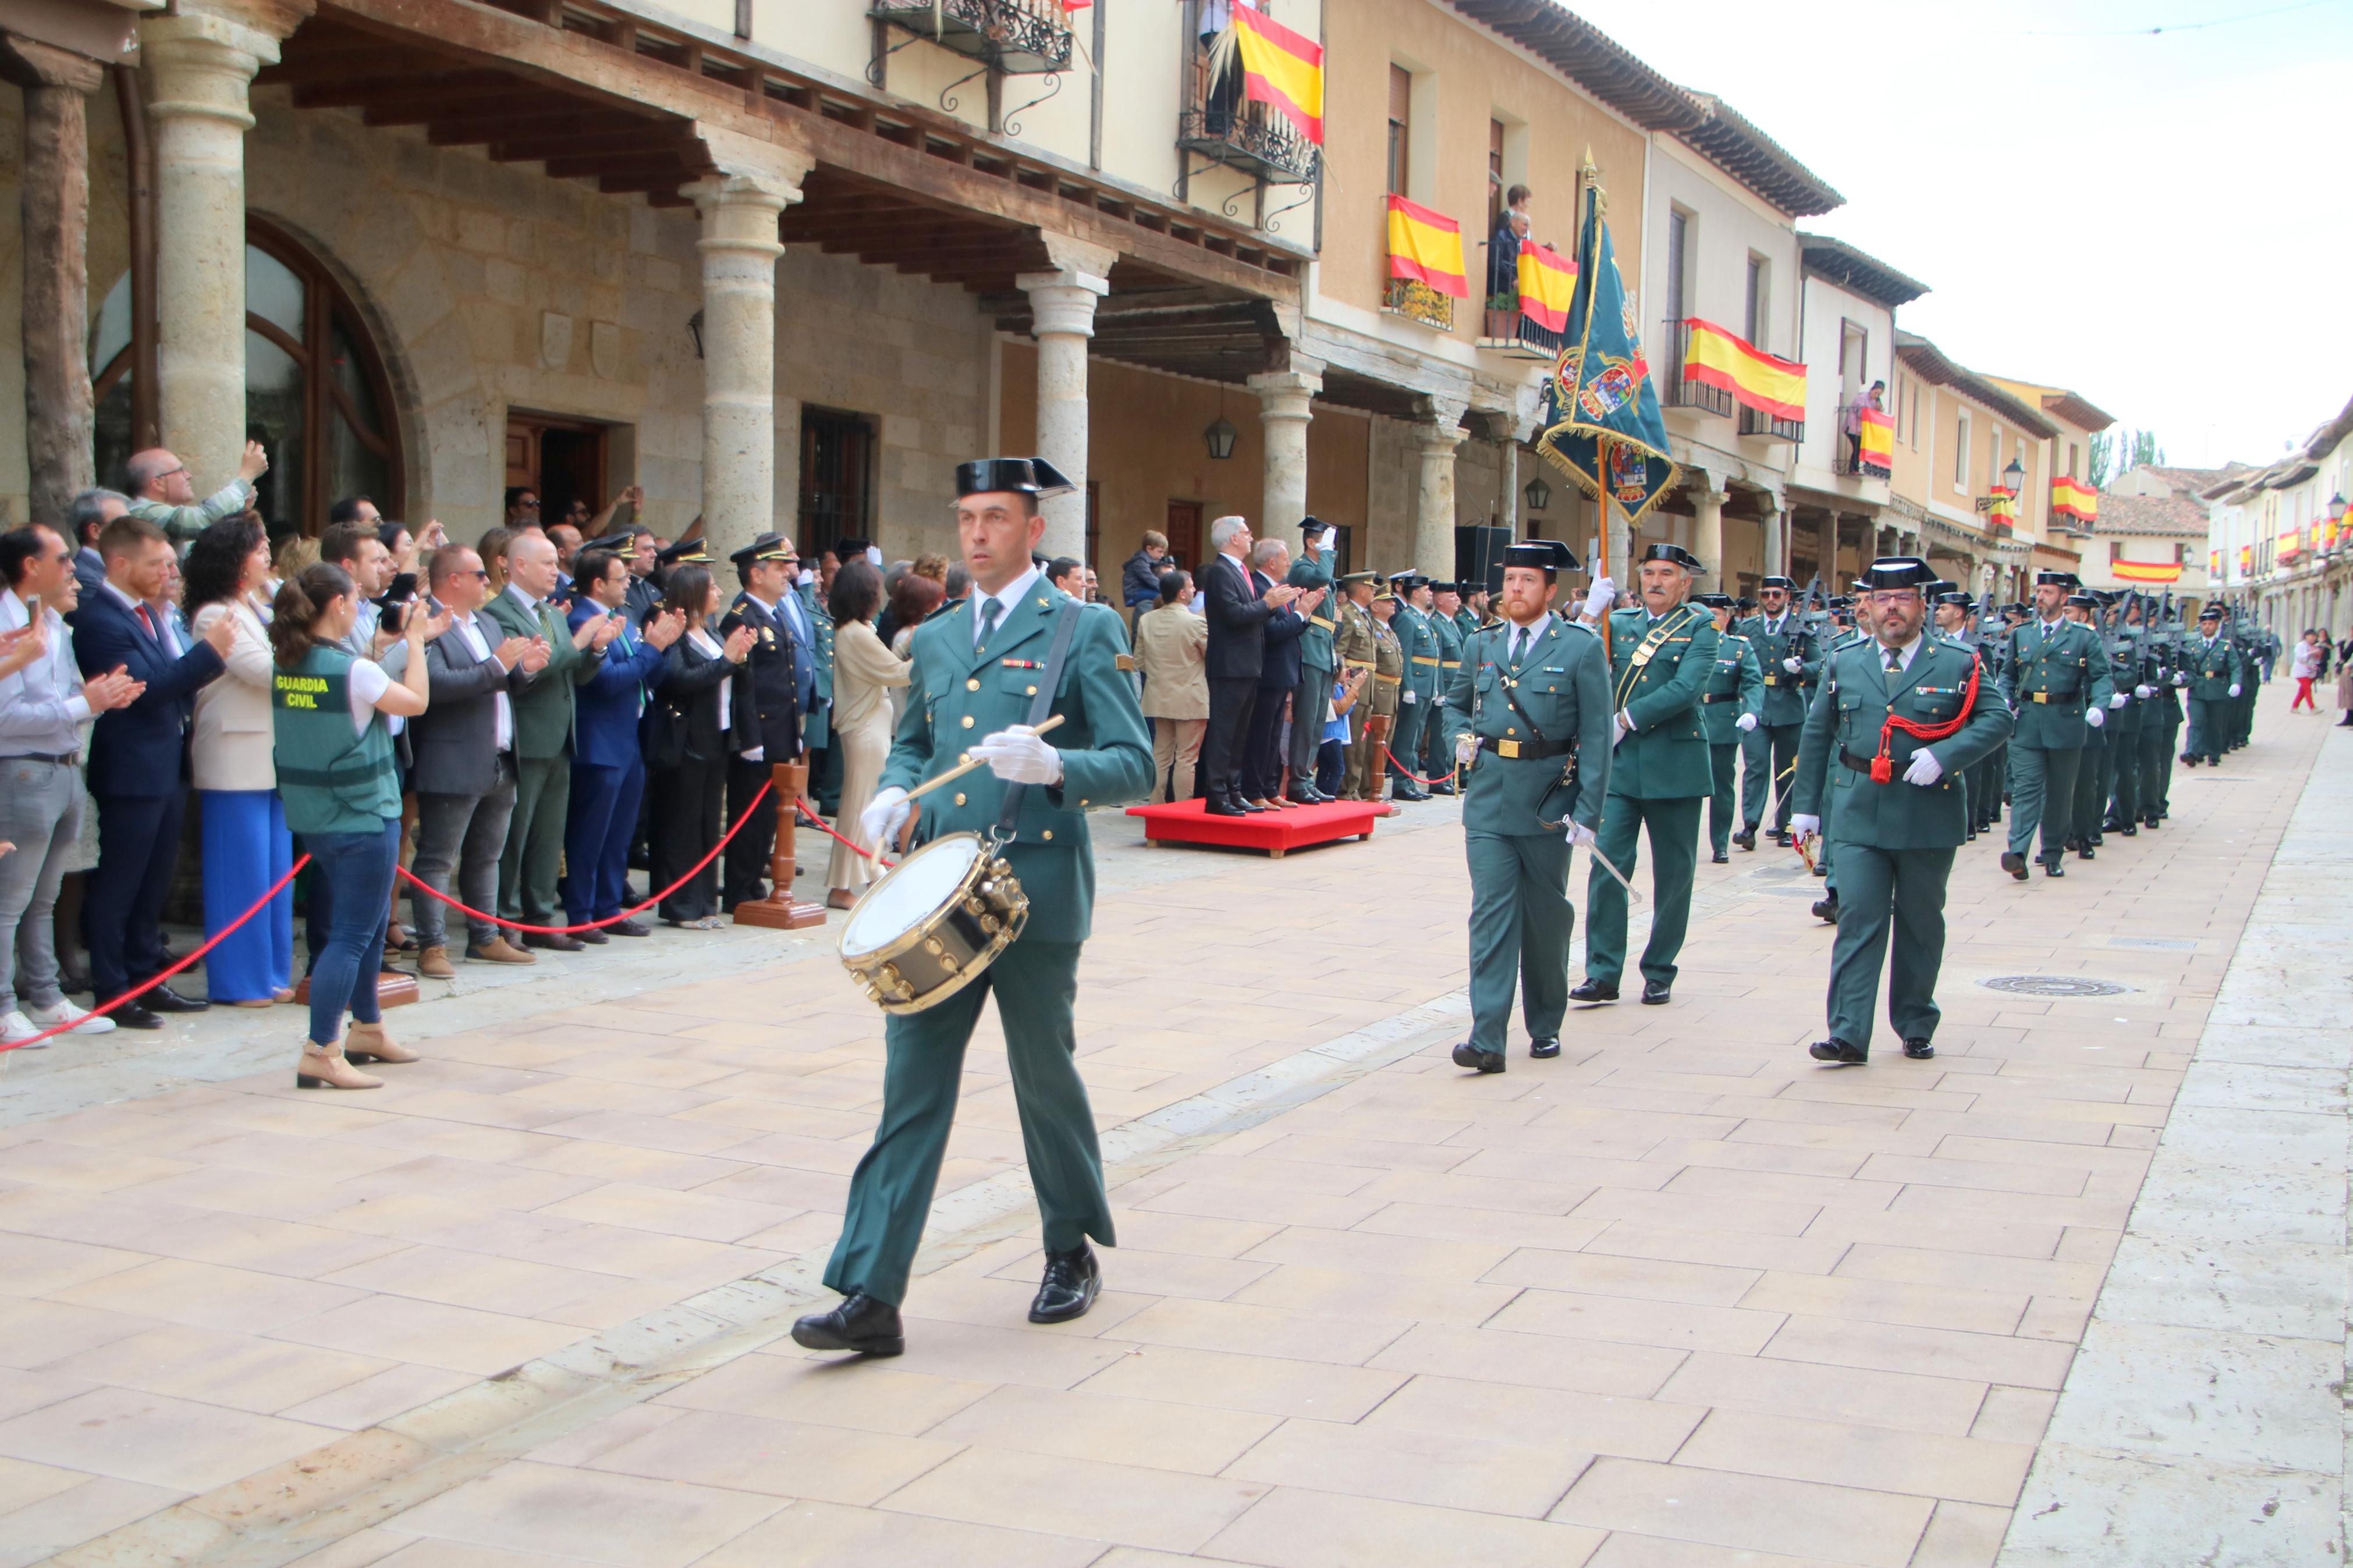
(2210,728)
(2157,737)
(1405,746)
(1675,854)
(1767,751)
(535,847)
(891,1192)
(1882,888)
(1723,758)
(2042,794)
(2126,759)
(1520,924)
(2091,788)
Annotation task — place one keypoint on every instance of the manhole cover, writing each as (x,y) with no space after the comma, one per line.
(2054,986)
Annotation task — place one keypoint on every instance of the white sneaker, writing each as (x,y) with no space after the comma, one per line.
(84,1021)
(15,1027)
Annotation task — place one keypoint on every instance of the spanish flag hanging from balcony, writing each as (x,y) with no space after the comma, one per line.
(1425,247)
(1601,417)
(2290,545)
(2002,513)
(2073,498)
(1548,285)
(1878,460)
(1767,383)
(2146,571)
(2246,559)
(1282,69)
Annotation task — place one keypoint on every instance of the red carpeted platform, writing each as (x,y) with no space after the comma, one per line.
(1295,827)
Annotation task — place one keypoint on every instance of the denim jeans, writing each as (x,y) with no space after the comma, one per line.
(40,813)
(357,869)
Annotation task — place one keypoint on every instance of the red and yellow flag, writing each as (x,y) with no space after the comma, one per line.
(1548,280)
(2246,559)
(1426,247)
(2003,512)
(1878,442)
(2291,544)
(2146,571)
(1764,382)
(2073,498)
(1282,69)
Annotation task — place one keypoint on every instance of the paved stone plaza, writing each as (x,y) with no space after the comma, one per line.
(1677,1299)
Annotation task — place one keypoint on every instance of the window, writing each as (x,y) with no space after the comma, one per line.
(1754,318)
(2071,471)
(1401,129)
(1678,258)
(1494,174)
(315,391)
(1916,415)
(1961,457)
(1993,458)
(838,461)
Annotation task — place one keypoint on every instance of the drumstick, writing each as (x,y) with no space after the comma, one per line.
(968,763)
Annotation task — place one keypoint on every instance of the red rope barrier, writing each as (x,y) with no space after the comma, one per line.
(742,818)
(138,991)
(1411,774)
(818,822)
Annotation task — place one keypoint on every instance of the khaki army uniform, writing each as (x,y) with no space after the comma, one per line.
(1364,771)
(1353,648)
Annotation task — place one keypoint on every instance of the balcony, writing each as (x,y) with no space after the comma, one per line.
(1019,38)
(1510,333)
(1246,138)
(1772,427)
(1417,301)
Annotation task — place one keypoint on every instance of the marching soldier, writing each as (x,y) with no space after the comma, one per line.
(975,690)
(2217,675)
(2056,688)
(1786,661)
(1533,691)
(1662,654)
(1354,646)
(2132,671)
(1900,717)
(2164,729)
(1418,694)
(1825,908)
(2091,803)
(1953,612)
(1311,700)
(1446,721)
(1729,709)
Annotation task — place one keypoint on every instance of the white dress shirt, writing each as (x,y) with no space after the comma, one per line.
(1903,655)
(708,646)
(1533,632)
(41,706)
(1010,595)
(470,628)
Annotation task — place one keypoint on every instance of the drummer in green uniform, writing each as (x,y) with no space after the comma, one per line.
(2055,683)
(1729,710)
(1311,700)
(983,680)
(1417,694)
(1534,693)
(1662,654)
(1900,717)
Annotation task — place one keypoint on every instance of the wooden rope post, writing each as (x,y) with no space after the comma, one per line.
(780,910)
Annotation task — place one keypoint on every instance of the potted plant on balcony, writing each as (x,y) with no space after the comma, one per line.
(1504,314)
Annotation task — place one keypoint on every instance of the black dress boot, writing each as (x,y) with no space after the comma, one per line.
(859,1322)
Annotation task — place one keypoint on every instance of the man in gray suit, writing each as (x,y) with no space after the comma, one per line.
(466,763)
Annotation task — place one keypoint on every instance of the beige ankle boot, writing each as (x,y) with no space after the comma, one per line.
(324,1066)
(369,1043)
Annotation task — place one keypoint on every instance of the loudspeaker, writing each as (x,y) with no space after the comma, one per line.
(1479,557)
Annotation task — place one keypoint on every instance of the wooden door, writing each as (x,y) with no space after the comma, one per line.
(1184,532)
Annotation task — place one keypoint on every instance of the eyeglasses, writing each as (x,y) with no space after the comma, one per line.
(478,571)
(173,473)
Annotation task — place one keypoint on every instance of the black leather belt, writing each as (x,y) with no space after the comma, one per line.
(1727,696)
(1517,749)
(1859,765)
(68,760)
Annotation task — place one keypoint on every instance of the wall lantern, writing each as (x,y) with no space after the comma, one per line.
(1220,436)
(1538,494)
(2014,476)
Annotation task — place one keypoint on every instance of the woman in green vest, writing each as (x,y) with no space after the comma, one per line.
(341,782)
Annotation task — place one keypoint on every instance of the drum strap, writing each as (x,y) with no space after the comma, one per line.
(1040,707)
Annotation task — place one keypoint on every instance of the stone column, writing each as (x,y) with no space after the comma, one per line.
(738,250)
(56,209)
(1707,529)
(200,67)
(1775,524)
(1285,398)
(1063,317)
(1433,526)
(1507,481)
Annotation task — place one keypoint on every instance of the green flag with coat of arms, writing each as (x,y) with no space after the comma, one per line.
(1601,414)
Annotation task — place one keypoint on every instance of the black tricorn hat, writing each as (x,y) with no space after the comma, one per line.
(1956,598)
(1028,476)
(1674,553)
(2210,613)
(1713,601)
(1784,583)
(1897,571)
(2057,579)
(1544,554)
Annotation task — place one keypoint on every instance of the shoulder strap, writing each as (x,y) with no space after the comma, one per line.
(1040,706)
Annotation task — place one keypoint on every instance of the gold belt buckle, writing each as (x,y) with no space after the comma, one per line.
(1507,748)
(2043,697)
(1772,681)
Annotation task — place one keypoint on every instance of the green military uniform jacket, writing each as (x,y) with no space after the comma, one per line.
(1564,688)
(2050,680)
(1449,656)
(541,703)
(2129,670)
(818,727)
(1315,642)
(2213,668)
(957,695)
(1735,686)
(1846,721)
(1417,636)
(1466,623)
(1658,672)
(1785,694)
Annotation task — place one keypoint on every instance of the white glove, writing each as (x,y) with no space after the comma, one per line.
(1625,727)
(1745,723)
(2181,677)
(884,816)
(1412,697)
(1466,747)
(2096,717)
(1802,827)
(1794,666)
(1924,770)
(1018,755)
(756,755)
(1603,594)
(2235,688)
(2117,699)
(1579,834)
(2144,692)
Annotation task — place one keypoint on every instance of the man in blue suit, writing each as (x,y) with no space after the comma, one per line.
(138,762)
(608,766)
(1263,751)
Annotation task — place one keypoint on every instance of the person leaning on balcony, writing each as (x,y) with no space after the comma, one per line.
(162,492)
(1875,400)
(1513,227)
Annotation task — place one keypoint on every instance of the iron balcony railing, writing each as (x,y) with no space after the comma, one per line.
(1246,138)
(1755,422)
(1017,36)
(1417,301)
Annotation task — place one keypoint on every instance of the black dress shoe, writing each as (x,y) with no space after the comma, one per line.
(1467,1055)
(1444,786)
(1919,1050)
(2014,863)
(1069,1286)
(1827,908)
(2151,821)
(1747,838)
(1544,1050)
(2051,867)
(164,999)
(1594,991)
(1837,1051)
(1658,992)
(1406,791)
(2084,852)
(1218,805)
(1307,796)
(2188,759)
(132,1016)
(858,1323)
(2129,830)
(592,937)
(554,941)
(630,928)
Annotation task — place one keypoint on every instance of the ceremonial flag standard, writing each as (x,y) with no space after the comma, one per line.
(1548,287)
(1283,68)
(1603,425)
(1427,247)
(1767,383)
(1878,460)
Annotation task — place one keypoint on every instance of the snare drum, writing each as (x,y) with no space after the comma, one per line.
(941,915)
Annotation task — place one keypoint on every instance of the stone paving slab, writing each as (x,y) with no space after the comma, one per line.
(1679,1298)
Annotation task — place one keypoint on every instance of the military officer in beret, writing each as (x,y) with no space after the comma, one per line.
(1417,693)
(1901,717)
(2055,684)
(2216,675)
(1533,692)
(1662,654)
(1729,709)
(1311,700)
(1356,649)
(1786,661)
(974,690)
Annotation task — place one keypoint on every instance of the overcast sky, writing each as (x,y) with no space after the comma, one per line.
(2160,222)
